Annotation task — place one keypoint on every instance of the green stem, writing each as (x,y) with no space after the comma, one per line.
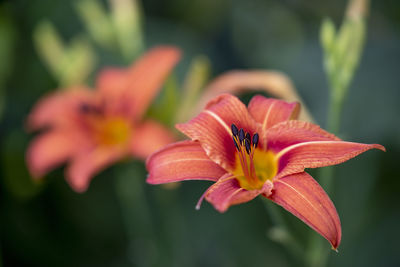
(280,232)
(136,215)
(318,252)
(333,122)
(334,113)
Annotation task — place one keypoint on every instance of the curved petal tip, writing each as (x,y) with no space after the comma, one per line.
(302,196)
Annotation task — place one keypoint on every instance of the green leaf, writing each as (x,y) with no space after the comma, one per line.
(97,22)
(77,63)
(17,179)
(49,46)
(69,64)
(7,37)
(164,111)
(195,80)
(126,16)
(327,35)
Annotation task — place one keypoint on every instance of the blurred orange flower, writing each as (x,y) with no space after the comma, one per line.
(257,150)
(91,129)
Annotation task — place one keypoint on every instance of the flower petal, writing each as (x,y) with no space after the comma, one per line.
(292,132)
(227,192)
(85,165)
(270,111)
(113,86)
(52,148)
(180,161)
(112,81)
(138,85)
(302,196)
(149,136)
(212,127)
(57,108)
(274,83)
(299,145)
(316,154)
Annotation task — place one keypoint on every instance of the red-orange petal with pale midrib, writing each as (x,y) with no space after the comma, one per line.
(291,132)
(270,111)
(316,154)
(181,161)
(302,196)
(212,128)
(227,192)
(148,137)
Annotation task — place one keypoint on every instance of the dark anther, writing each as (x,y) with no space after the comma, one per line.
(241,136)
(248,137)
(247,145)
(255,139)
(234,130)
(236,145)
(85,108)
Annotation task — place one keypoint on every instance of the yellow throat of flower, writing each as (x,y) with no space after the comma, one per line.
(265,168)
(112,131)
(253,165)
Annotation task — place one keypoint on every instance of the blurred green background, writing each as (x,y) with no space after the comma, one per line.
(47,224)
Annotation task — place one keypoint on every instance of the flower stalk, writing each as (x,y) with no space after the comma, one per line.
(342,51)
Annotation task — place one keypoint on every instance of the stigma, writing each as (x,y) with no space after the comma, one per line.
(253,166)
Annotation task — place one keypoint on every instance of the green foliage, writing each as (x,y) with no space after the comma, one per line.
(117,30)
(342,51)
(127,22)
(164,111)
(7,37)
(17,180)
(96,21)
(69,64)
(195,80)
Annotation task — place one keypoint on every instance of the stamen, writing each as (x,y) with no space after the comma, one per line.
(85,108)
(241,135)
(236,145)
(247,145)
(248,137)
(234,130)
(255,140)
(253,166)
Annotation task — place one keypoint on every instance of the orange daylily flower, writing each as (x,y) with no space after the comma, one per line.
(91,129)
(257,150)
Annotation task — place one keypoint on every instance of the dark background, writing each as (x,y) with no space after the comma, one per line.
(48,224)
